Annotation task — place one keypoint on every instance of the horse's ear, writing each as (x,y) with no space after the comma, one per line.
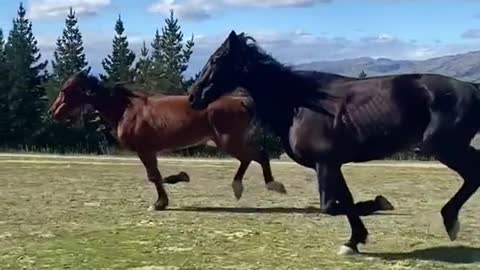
(91,86)
(81,74)
(233,41)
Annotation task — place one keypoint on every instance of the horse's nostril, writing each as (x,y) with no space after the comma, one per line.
(190,98)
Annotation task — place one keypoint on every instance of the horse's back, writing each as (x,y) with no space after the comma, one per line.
(374,117)
(230,121)
(229,114)
(165,122)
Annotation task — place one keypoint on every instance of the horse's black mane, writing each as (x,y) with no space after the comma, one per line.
(312,81)
(258,54)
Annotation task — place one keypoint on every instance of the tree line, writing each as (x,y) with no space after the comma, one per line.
(28,88)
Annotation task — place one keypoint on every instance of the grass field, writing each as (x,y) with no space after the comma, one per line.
(92,214)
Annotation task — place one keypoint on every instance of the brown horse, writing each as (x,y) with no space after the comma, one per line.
(148,124)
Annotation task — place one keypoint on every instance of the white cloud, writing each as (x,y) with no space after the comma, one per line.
(191,9)
(97,45)
(471,34)
(274,3)
(205,9)
(288,47)
(301,47)
(43,9)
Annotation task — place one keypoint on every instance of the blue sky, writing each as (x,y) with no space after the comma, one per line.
(294,31)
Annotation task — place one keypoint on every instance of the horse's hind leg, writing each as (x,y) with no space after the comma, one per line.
(237,184)
(176,178)
(465,160)
(329,203)
(264,160)
(149,160)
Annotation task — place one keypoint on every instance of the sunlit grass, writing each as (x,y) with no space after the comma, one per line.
(76,215)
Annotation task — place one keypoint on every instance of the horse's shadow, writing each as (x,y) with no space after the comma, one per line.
(263,210)
(445,254)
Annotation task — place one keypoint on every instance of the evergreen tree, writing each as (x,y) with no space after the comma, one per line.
(362,74)
(175,54)
(192,80)
(24,69)
(143,66)
(157,81)
(2,49)
(4,109)
(69,56)
(118,65)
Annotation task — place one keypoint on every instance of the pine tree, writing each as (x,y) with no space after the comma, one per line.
(4,109)
(24,68)
(191,80)
(69,56)
(157,82)
(143,66)
(362,74)
(175,54)
(118,65)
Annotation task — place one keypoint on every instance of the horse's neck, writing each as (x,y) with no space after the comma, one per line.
(277,92)
(111,109)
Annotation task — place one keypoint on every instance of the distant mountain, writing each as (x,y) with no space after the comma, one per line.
(464,66)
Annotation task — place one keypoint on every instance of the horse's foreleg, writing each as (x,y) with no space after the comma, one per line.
(149,160)
(465,161)
(237,184)
(264,160)
(326,190)
(332,185)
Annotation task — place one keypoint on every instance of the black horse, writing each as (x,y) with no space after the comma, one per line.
(327,123)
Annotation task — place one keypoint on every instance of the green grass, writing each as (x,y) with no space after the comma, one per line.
(65,214)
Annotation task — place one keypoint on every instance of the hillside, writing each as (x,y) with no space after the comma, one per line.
(464,66)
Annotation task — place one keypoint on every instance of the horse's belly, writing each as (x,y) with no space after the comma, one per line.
(180,141)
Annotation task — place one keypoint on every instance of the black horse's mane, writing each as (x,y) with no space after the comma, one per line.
(258,54)
(118,89)
(310,93)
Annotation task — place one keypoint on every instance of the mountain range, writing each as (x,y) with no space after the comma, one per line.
(465,66)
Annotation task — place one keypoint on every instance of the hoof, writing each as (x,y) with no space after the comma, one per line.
(347,251)
(158,206)
(237,187)
(453,231)
(183,177)
(384,203)
(277,186)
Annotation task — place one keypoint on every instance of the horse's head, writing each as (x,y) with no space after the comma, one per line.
(76,92)
(222,73)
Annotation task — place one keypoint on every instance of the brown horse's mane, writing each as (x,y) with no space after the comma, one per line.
(117,89)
